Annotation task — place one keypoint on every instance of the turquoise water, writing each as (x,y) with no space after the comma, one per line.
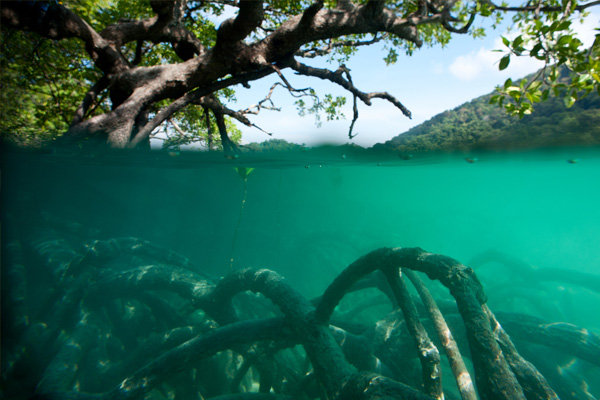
(308,215)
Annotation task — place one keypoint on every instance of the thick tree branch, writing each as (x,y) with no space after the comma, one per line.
(331,23)
(191,97)
(55,21)
(134,90)
(167,27)
(236,29)
(214,104)
(374,8)
(309,14)
(464,29)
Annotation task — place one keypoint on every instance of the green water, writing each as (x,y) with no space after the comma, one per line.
(308,215)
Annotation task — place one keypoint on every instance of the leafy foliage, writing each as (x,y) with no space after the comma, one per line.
(50,78)
(551,38)
(330,106)
(84,79)
(42,84)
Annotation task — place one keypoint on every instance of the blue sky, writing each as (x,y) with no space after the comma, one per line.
(429,82)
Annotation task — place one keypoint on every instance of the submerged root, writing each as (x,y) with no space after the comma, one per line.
(139,319)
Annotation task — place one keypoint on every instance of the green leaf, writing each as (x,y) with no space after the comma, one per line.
(244,172)
(504,62)
(569,101)
(535,85)
(545,94)
(535,52)
(518,41)
(564,40)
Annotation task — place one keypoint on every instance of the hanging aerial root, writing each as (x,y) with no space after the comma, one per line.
(429,355)
(533,383)
(111,248)
(331,367)
(185,356)
(159,326)
(327,358)
(533,275)
(15,278)
(494,378)
(567,338)
(459,369)
(60,373)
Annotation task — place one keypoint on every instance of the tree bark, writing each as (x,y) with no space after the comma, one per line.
(134,90)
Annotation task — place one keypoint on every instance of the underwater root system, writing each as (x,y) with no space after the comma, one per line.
(124,319)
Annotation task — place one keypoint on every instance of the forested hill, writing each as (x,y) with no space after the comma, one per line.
(478,124)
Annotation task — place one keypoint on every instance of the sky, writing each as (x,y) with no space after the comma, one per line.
(431,81)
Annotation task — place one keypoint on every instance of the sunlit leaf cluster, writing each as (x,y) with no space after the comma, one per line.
(42,84)
(570,69)
(330,106)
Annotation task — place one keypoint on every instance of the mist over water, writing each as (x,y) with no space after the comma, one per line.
(309,215)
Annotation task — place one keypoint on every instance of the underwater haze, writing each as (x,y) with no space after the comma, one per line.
(112,269)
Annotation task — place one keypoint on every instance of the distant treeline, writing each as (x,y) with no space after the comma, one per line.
(272,145)
(478,124)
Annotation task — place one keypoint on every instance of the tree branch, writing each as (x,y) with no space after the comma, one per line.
(309,14)
(166,26)
(537,8)
(316,52)
(209,131)
(191,97)
(448,18)
(55,21)
(236,29)
(228,145)
(336,77)
(89,98)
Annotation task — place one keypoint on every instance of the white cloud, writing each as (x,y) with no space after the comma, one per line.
(483,63)
(468,67)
